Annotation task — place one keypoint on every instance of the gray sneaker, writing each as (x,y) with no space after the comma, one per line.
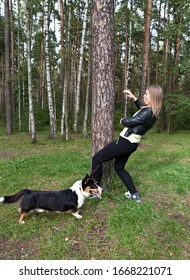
(133,196)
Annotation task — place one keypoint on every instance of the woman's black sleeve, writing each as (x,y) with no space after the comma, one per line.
(138,103)
(139,118)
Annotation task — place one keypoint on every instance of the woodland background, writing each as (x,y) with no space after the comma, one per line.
(46,61)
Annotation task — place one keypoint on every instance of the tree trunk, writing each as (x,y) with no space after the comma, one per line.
(177,46)
(128,43)
(158,43)
(103,91)
(77,96)
(65,61)
(175,84)
(9,124)
(23,83)
(147,21)
(32,129)
(41,73)
(12,59)
(62,24)
(133,62)
(48,74)
(165,75)
(85,122)
(2,84)
(19,69)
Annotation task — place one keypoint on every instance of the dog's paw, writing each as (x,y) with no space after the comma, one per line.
(40,210)
(77,215)
(21,222)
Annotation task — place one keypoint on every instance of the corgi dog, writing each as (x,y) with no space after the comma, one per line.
(65,200)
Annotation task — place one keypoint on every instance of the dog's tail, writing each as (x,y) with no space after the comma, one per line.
(14,198)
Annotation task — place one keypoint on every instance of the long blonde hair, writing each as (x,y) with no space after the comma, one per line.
(156,97)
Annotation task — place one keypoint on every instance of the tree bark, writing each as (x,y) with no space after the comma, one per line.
(65,61)
(19,69)
(103,91)
(48,74)
(9,123)
(77,96)
(12,58)
(165,71)
(128,43)
(158,43)
(85,122)
(32,129)
(147,21)
(41,73)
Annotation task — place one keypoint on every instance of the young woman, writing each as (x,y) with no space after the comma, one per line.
(134,128)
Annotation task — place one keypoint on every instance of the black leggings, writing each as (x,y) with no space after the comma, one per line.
(120,150)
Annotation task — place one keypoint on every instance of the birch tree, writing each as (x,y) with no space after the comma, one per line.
(19,69)
(128,43)
(12,58)
(85,122)
(77,96)
(169,66)
(9,124)
(48,74)
(41,73)
(65,61)
(32,128)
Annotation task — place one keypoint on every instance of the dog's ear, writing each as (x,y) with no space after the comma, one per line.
(86,179)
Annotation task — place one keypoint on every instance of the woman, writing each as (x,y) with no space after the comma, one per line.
(127,143)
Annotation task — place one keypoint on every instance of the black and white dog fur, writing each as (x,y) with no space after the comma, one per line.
(59,201)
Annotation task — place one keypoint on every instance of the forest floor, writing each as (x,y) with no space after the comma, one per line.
(111,228)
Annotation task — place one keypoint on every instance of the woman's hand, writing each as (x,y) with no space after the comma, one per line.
(128,94)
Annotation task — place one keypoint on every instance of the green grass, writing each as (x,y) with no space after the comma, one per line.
(112,228)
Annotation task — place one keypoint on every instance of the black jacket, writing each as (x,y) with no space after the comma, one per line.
(141,122)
